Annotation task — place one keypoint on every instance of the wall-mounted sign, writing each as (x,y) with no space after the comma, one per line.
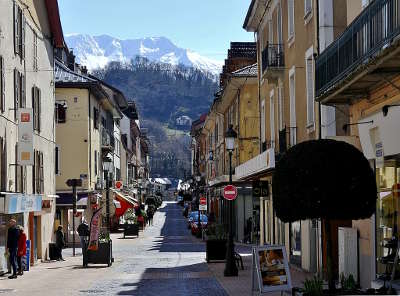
(46,205)
(260,188)
(270,269)
(25,137)
(22,203)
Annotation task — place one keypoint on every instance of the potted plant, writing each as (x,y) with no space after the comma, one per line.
(324,179)
(216,240)
(103,254)
(131,227)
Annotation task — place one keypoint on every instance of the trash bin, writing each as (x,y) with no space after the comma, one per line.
(53,251)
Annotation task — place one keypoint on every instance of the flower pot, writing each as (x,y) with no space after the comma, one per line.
(131,230)
(215,249)
(103,255)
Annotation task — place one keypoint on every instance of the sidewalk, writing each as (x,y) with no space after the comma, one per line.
(241,285)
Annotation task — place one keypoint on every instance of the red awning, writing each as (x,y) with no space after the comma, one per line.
(125,201)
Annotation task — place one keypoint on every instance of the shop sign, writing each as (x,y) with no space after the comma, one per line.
(260,188)
(270,269)
(25,137)
(22,203)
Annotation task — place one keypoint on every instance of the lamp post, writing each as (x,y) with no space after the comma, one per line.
(230,264)
(198,178)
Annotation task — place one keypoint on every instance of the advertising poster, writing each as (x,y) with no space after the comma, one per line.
(25,136)
(94,231)
(272,269)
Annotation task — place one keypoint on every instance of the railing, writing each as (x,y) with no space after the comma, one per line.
(372,31)
(273,56)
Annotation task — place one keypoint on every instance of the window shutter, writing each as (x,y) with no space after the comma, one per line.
(34,107)
(34,172)
(22,35)
(3,85)
(41,173)
(16,92)
(39,99)
(16,28)
(310,92)
(23,93)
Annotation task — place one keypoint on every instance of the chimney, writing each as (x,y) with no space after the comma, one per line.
(84,70)
(71,61)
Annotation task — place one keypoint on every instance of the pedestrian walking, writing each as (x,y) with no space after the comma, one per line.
(83,231)
(248,229)
(12,246)
(60,242)
(21,249)
(150,214)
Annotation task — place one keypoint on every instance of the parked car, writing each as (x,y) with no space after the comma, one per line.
(194,225)
(191,216)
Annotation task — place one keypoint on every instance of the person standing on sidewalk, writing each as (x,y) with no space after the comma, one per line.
(21,249)
(150,214)
(60,242)
(12,246)
(83,231)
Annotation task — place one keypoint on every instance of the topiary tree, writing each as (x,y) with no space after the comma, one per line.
(324,179)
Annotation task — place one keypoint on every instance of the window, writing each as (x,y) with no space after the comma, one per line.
(61,112)
(307,7)
(310,87)
(270,32)
(279,25)
(291,18)
(20,177)
(38,173)
(19,31)
(96,118)
(272,116)
(2,85)
(35,52)
(57,160)
(36,105)
(19,91)
(292,93)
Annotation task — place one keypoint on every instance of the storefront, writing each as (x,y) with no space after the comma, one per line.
(22,208)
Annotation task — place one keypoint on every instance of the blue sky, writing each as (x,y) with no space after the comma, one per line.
(205,26)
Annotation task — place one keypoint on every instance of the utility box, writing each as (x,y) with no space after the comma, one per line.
(348,252)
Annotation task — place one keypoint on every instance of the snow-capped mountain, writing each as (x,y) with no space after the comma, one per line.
(96,51)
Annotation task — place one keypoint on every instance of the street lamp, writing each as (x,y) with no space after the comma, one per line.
(230,264)
(108,168)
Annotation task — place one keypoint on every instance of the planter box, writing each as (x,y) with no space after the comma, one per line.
(103,255)
(215,250)
(131,230)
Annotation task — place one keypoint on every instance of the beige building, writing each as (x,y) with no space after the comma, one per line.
(288,37)
(30,33)
(88,115)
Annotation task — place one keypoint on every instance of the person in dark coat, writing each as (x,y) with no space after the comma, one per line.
(150,214)
(12,246)
(21,249)
(84,232)
(60,242)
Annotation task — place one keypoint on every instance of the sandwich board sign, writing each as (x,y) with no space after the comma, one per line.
(270,271)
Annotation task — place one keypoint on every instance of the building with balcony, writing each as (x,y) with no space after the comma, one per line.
(31,33)
(359,70)
(288,37)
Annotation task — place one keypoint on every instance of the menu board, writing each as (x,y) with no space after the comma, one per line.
(271,269)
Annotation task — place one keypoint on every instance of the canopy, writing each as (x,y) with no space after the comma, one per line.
(126,202)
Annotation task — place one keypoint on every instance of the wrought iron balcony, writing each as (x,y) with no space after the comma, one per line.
(368,38)
(273,57)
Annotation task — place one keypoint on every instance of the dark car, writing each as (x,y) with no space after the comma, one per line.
(194,225)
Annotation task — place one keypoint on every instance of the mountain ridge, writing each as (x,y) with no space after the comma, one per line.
(95,52)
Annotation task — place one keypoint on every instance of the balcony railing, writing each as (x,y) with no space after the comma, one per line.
(372,31)
(273,56)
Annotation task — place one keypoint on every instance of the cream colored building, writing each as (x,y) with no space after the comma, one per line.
(30,33)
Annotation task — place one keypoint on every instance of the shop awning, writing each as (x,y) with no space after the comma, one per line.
(125,201)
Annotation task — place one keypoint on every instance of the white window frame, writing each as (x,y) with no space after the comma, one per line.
(310,88)
(272,116)
(291,20)
(292,95)
(262,121)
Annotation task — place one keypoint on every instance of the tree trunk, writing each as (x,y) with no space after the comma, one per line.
(329,256)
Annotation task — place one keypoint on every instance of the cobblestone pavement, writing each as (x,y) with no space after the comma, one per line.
(164,260)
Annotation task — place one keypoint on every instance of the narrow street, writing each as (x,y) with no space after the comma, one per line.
(165,260)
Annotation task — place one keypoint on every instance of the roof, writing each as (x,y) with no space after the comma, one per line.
(246,20)
(53,15)
(64,74)
(248,71)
